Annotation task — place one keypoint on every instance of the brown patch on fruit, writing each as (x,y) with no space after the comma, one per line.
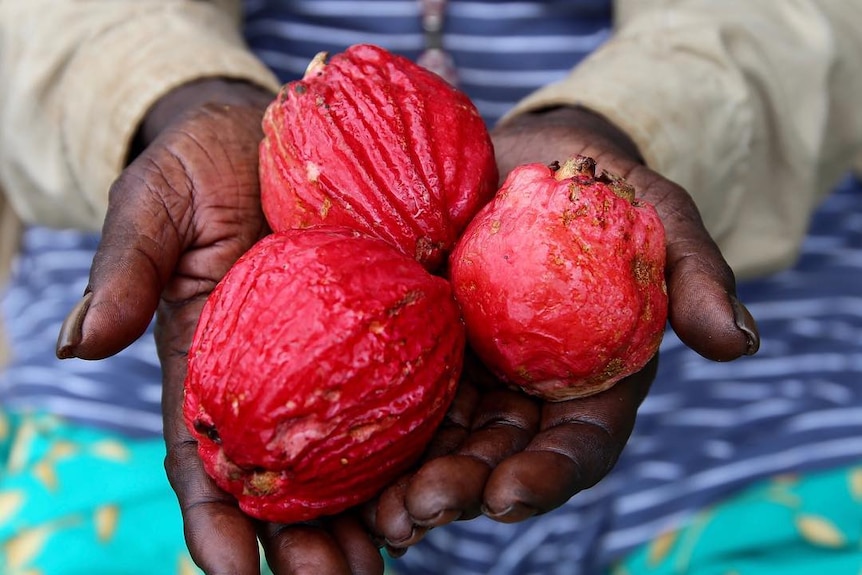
(228,468)
(618,186)
(495,226)
(574,192)
(557,258)
(646,314)
(261,483)
(364,431)
(578,166)
(583,245)
(642,271)
(524,373)
(612,369)
(409,298)
(425,247)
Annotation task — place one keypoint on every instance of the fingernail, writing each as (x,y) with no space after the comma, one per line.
(416,534)
(511,514)
(71,332)
(396,552)
(746,324)
(441,518)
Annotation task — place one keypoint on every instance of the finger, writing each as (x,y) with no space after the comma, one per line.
(579,442)
(220,538)
(192,193)
(362,553)
(455,427)
(303,549)
(482,427)
(704,309)
(138,251)
(387,517)
(452,486)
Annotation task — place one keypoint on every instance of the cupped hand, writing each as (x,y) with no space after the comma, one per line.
(507,455)
(511,456)
(179,216)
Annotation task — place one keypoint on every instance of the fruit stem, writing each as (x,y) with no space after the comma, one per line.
(317,64)
(576,166)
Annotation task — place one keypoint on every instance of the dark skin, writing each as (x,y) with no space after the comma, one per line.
(187,206)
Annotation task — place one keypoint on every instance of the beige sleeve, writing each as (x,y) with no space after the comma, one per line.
(77,77)
(755,107)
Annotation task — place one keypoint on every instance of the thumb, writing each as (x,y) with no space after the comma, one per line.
(138,251)
(704,310)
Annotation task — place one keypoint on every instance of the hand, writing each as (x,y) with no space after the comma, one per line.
(509,456)
(178,217)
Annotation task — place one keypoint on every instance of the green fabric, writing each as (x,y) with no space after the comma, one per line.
(789,525)
(76,500)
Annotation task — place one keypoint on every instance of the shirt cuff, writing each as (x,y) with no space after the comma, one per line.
(115,78)
(690,121)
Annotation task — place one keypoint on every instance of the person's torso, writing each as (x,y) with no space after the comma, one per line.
(502,51)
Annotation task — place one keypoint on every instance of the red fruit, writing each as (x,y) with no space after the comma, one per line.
(376,143)
(561,280)
(320,368)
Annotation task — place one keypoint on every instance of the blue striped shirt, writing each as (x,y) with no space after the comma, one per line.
(502,50)
(706,430)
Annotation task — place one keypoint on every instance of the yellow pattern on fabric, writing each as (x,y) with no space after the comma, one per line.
(56,520)
(780,492)
(111,450)
(820,531)
(106,518)
(689,540)
(61,449)
(4,427)
(186,566)
(856,484)
(10,503)
(19,453)
(47,476)
(25,546)
(45,470)
(660,547)
(787,525)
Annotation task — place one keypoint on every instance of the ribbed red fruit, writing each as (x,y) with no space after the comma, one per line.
(321,366)
(561,280)
(372,141)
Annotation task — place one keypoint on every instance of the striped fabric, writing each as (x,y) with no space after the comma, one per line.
(502,50)
(706,430)
(49,277)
